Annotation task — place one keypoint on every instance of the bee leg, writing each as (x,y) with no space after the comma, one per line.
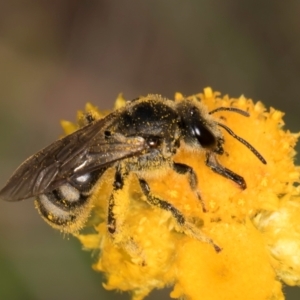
(214,165)
(192,178)
(115,218)
(117,188)
(187,227)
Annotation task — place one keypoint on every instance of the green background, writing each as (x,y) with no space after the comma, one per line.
(57,55)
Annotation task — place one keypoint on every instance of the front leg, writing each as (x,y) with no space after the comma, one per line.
(214,165)
(187,227)
(192,178)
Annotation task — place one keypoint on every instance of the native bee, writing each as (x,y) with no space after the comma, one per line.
(140,138)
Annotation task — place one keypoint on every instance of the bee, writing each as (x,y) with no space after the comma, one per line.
(141,138)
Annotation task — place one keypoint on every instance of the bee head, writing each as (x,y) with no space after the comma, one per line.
(198,127)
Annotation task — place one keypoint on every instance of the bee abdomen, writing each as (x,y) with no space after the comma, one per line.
(62,206)
(68,206)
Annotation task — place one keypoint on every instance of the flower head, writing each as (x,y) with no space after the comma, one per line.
(258,228)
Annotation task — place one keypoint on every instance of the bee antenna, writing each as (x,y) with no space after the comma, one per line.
(231,109)
(252,149)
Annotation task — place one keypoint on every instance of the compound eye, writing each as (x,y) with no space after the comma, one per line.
(153,142)
(204,136)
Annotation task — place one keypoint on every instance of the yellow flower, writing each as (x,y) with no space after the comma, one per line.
(258,229)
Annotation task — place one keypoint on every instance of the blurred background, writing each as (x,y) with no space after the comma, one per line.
(57,55)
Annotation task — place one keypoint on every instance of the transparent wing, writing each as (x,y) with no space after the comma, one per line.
(87,149)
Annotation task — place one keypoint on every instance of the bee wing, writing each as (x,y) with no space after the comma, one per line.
(78,153)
